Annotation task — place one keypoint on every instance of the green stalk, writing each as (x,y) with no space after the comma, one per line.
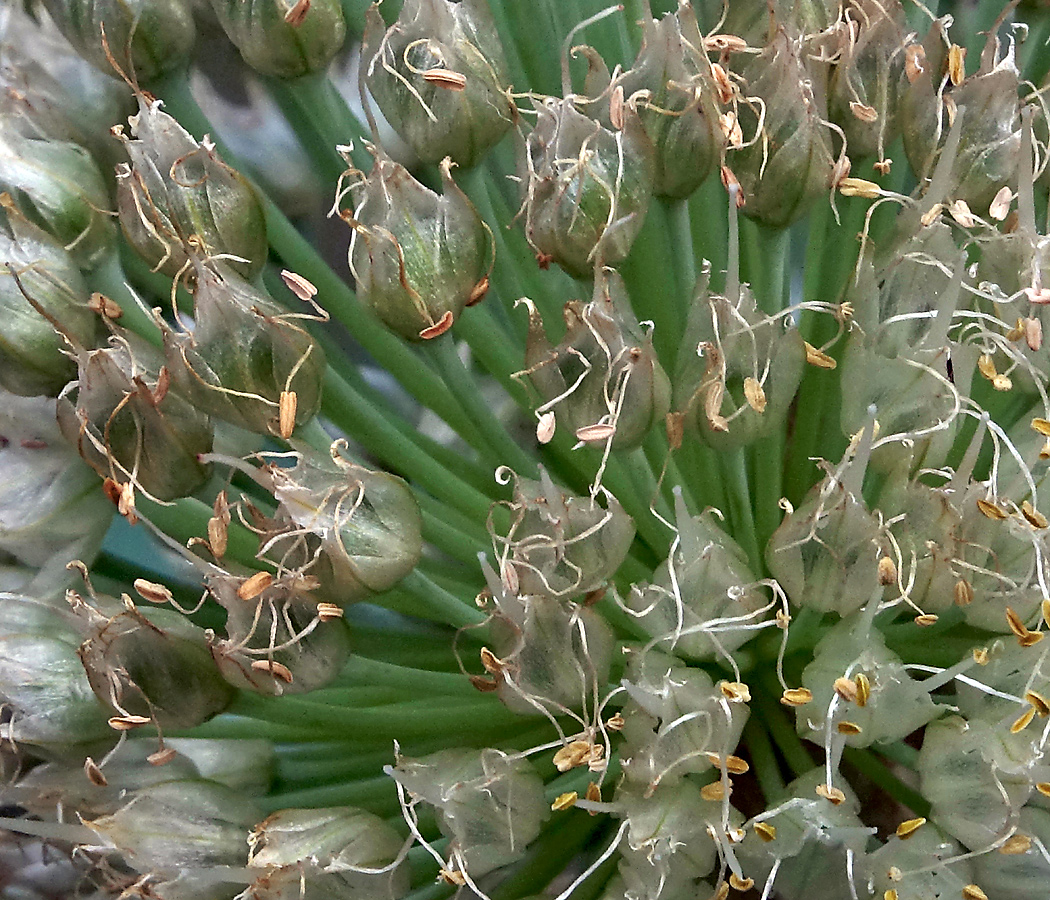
(377,795)
(448,607)
(780,729)
(739,512)
(763,761)
(874,769)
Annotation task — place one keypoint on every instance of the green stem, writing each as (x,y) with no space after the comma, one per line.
(763,761)
(377,795)
(108,278)
(447,607)
(739,513)
(780,729)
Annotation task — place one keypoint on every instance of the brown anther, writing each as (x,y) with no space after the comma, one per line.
(595,434)
(740,884)
(963,592)
(286,410)
(1044,608)
(1044,788)
(478,292)
(151,591)
(438,328)
(1016,845)
(217,534)
(848,728)
(999,208)
(990,510)
(94,773)
(907,828)
(957,64)
(735,691)
(297,14)
(724,43)
(1031,639)
(1002,383)
(485,685)
(721,892)
(126,723)
(251,587)
(1022,721)
(729,180)
(846,688)
(715,792)
(1039,703)
(593,793)
(1017,332)
(986,366)
(930,216)
(162,757)
(981,656)
(754,394)
(615,722)
(1044,453)
(545,426)
(859,187)
(446,78)
(1032,515)
(328,612)
(565,801)
(863,688)
(729,123)
(544,260)
(796,696)
(302,288)
(961,212)
(734,764)
(766,831)
(492,663)
(616,108)
(1033,333)
(863,112)
(819,358)
(914,61)
(576,753)
(882,166)
(104,306)
(890,894)
(887,571)
(723,84)
(453,877)
(278,670)
(830,793)
(973,892)
(1016,625)
(925,620)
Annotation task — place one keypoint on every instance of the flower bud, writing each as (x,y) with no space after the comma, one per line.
(692,611)
(987,110)
(825,553)
(603,380)
(813,836)
(129,425)
(586,188)
(924,864)
(675,718)
(550,655)
(244,765)
(151,664)
(284,39)
(738,369)
(147,38)
(277,642)
(418,257)
(863,93)
(787,162)
(676,101)
(51,508)
(326,853)
(177,189)
(245,356)
(356,531)
(58,185)
(51,705)
(668,847)
(561,545)
(894,704)
(754,20)
(440,78)
(489,804)
(32,360)
(1023,871)
(974,779)
(193,825)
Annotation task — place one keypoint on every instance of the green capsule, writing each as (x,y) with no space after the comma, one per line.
(418,258)
(146,38)
(247,361)
(130,425)
(439,76)
(284,38)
